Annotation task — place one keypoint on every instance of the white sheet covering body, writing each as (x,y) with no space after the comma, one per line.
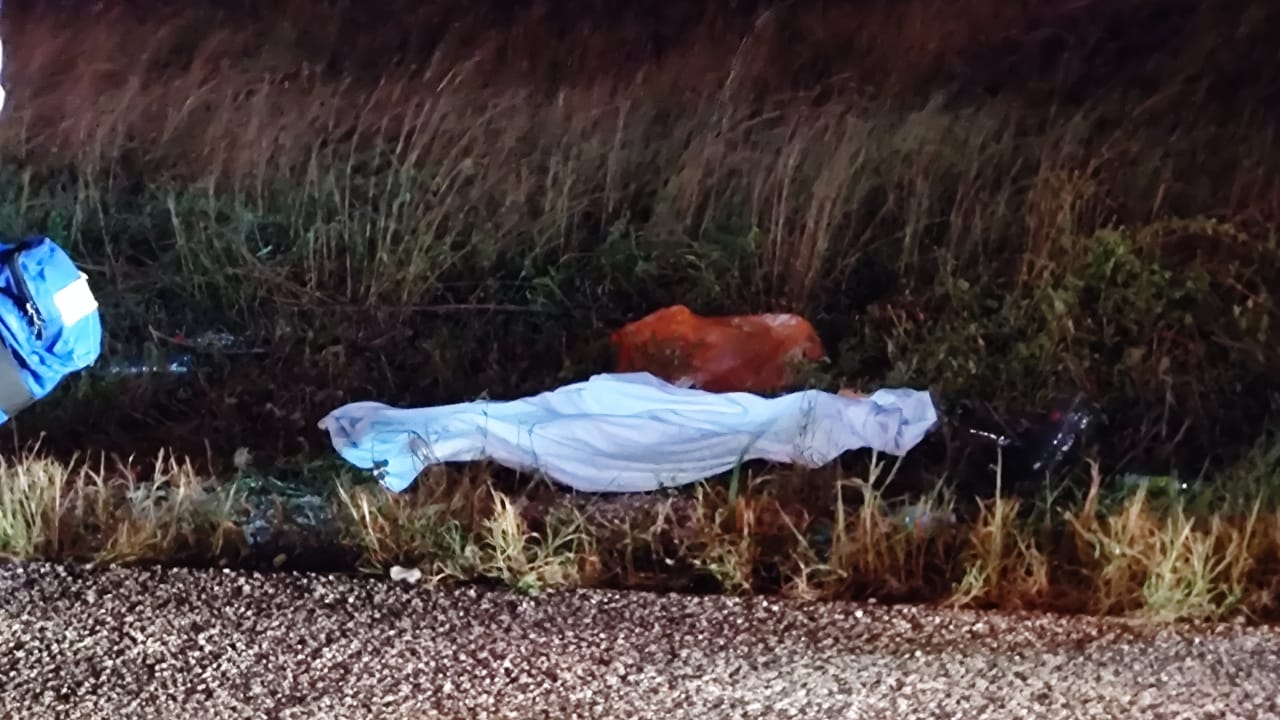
(628,432)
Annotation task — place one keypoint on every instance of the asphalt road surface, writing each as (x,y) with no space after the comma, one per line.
(208,644)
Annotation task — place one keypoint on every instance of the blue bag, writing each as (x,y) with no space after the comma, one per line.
(49,322)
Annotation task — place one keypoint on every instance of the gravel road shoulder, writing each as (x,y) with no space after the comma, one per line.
(157,643)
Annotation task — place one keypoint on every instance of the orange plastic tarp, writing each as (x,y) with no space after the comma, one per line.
(736,353)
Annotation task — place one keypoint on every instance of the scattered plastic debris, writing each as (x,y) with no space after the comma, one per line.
(737,353)
(921,519)
(213,338)
(278,513)
(174,364)
(216,341)
(409,576)
(631,432)
(995,438)
(1067,429)
(156,361)
(1042,448)
(1171,484)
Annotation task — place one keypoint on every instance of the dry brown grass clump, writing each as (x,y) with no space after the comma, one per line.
(1138,559)
(79,511)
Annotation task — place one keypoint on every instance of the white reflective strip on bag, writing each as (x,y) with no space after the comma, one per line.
(75,301)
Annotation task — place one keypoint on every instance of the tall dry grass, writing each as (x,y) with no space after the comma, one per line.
(99,512)
(986,249)
(1124,556)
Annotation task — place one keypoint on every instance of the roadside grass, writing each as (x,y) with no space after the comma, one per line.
(1130,556)
(76,510)
(1004,563)
(428,232)
(466,533)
